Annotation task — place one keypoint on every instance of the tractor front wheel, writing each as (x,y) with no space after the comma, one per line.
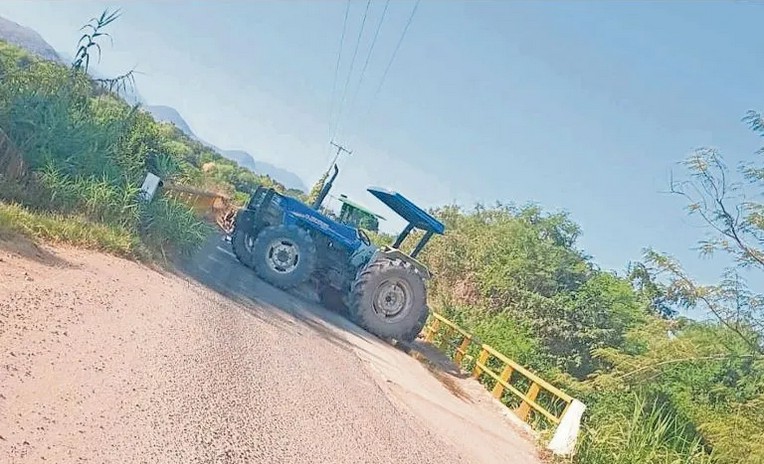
(284,256)
(389,300)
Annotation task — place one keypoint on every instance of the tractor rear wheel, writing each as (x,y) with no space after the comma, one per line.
(417,329)
(389,300)
(243,237)
(284,256)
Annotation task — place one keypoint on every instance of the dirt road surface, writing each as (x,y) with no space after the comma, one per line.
(107,361)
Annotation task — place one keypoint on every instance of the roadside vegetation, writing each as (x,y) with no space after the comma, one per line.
(73,155)
(72,230)
(660,388)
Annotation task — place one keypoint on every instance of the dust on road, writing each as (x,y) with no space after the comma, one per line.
(105,360)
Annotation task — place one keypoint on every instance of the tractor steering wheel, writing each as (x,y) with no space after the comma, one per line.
(364,238)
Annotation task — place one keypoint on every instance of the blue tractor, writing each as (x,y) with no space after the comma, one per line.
(382,289)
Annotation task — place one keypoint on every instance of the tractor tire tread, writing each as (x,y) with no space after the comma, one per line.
(363,315)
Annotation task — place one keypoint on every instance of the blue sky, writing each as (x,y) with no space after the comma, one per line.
(579,106)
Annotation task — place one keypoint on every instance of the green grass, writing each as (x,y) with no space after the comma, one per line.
(646,435)
(70,230)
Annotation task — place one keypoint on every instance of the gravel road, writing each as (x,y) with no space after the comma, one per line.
(104,360)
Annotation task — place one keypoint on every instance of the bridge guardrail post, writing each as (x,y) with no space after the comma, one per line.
(525,407)
(498,389)
(482,359)
(444,338)
(432,331)
(462,350)
(563,442)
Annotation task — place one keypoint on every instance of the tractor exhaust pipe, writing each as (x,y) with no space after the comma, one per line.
(325,190)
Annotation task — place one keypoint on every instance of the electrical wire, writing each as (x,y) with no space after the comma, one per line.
(350,72)
(373,100)
(368,55)
(337,70)
(397,47)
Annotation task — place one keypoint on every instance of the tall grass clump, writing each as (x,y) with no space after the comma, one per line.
(171,227)
(99,199)
(648,434)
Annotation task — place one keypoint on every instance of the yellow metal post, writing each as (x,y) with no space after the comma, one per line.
(459,354)
(444,338)
(482,359)
(498,389)
(525,408)
(432,331)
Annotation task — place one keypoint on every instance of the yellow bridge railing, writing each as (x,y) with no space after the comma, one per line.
(524,392)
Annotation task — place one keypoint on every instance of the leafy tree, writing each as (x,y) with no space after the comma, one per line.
(316,189)
(648,287)
(734,213)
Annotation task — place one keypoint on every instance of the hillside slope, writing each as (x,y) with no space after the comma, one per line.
(171,115)
(243,158)
(27,39)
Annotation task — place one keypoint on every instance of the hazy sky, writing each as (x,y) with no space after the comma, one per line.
(579,106)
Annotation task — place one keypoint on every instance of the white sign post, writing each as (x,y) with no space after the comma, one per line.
(149,187)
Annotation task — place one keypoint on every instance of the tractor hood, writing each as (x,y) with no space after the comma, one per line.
(415,215)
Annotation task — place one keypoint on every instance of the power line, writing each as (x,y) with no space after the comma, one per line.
(368,55)
(389,65)
(397,47)
(337,69)
(340,149)
(350,72)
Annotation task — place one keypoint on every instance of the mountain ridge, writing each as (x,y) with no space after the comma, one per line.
(28,39)
(241,157)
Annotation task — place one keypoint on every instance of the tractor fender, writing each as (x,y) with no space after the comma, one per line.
(364,255)
(393,253)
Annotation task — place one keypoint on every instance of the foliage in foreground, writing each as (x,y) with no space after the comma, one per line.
(638,432)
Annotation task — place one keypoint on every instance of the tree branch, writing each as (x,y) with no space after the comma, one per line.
(688,359)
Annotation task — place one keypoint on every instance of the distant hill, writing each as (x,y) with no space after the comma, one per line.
(241,157)
(244,159)
(171,115)
(287,178)
(28,39)
(31,41)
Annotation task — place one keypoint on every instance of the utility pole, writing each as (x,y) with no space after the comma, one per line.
(340,149)
(322,190)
